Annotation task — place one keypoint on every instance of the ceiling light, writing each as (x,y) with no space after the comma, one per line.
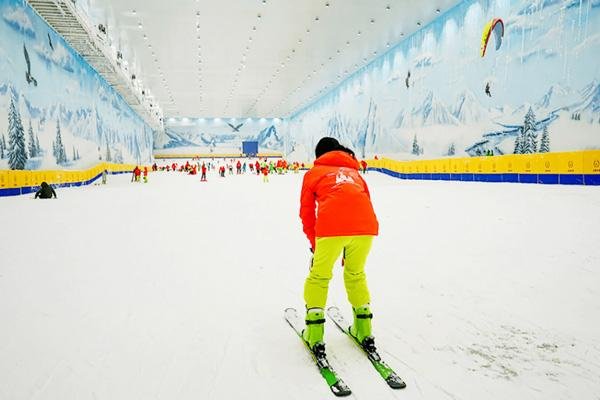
(316,18)
(359,33)
(418,23)
(347,43)
(372,20)
(388,7)
(327,4)
(140,25)
(259,16)
(387,44)
(437,10)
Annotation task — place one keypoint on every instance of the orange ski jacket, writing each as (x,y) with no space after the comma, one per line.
(335,199)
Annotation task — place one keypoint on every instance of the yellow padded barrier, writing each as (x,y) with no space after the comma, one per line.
(577,162)
(18,178)
(591,162)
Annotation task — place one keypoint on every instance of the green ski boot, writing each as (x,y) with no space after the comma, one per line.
(361,328)
(315,327)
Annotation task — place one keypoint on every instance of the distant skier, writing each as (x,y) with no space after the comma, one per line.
(136,174)
(45,192)
(203,176)
(363,166)
(487,89)
(345,222)
(145,174)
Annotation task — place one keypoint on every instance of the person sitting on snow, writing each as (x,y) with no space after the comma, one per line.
(46,192)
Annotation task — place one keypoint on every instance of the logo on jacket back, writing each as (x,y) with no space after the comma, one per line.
(341,178)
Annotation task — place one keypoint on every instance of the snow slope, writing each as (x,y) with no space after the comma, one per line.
(175,289)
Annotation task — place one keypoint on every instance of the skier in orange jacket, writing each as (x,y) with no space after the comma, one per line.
(337,217)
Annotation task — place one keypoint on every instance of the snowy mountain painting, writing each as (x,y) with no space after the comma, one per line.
(56,112)
(434,89)
(216,135)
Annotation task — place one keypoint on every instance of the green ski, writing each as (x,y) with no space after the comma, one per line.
(388,374)
(337,386)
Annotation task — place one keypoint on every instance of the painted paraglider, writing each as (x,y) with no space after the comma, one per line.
(494,27)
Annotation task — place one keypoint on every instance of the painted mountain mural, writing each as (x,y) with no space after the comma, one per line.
(434,88)
(55,110)
(218,135)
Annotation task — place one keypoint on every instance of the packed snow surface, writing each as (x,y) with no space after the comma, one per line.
(175,289)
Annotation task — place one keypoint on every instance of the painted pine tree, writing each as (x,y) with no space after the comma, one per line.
(59,148)
(17,154)
(74,154)
(529,142)
(2,147)
(415,147)
(38,149)
(452,150)
(545,142)
(32,148)
(518,141)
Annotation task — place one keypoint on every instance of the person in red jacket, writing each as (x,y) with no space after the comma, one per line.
(363,165)
(203,176)
(136,174)
(257,166)
(337,217)
(265,172)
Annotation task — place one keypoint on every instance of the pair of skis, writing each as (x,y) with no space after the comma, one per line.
(335,383)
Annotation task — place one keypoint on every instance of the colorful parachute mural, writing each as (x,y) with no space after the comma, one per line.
(497,27)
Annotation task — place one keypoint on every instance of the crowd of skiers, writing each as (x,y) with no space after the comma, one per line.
(223,167)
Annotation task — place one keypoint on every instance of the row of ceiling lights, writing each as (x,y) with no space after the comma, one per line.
(242,65)
(156,63)
(339,76)
(331,59)
(201,97)
(281,66)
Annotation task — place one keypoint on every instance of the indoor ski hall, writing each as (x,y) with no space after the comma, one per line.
(277,199)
